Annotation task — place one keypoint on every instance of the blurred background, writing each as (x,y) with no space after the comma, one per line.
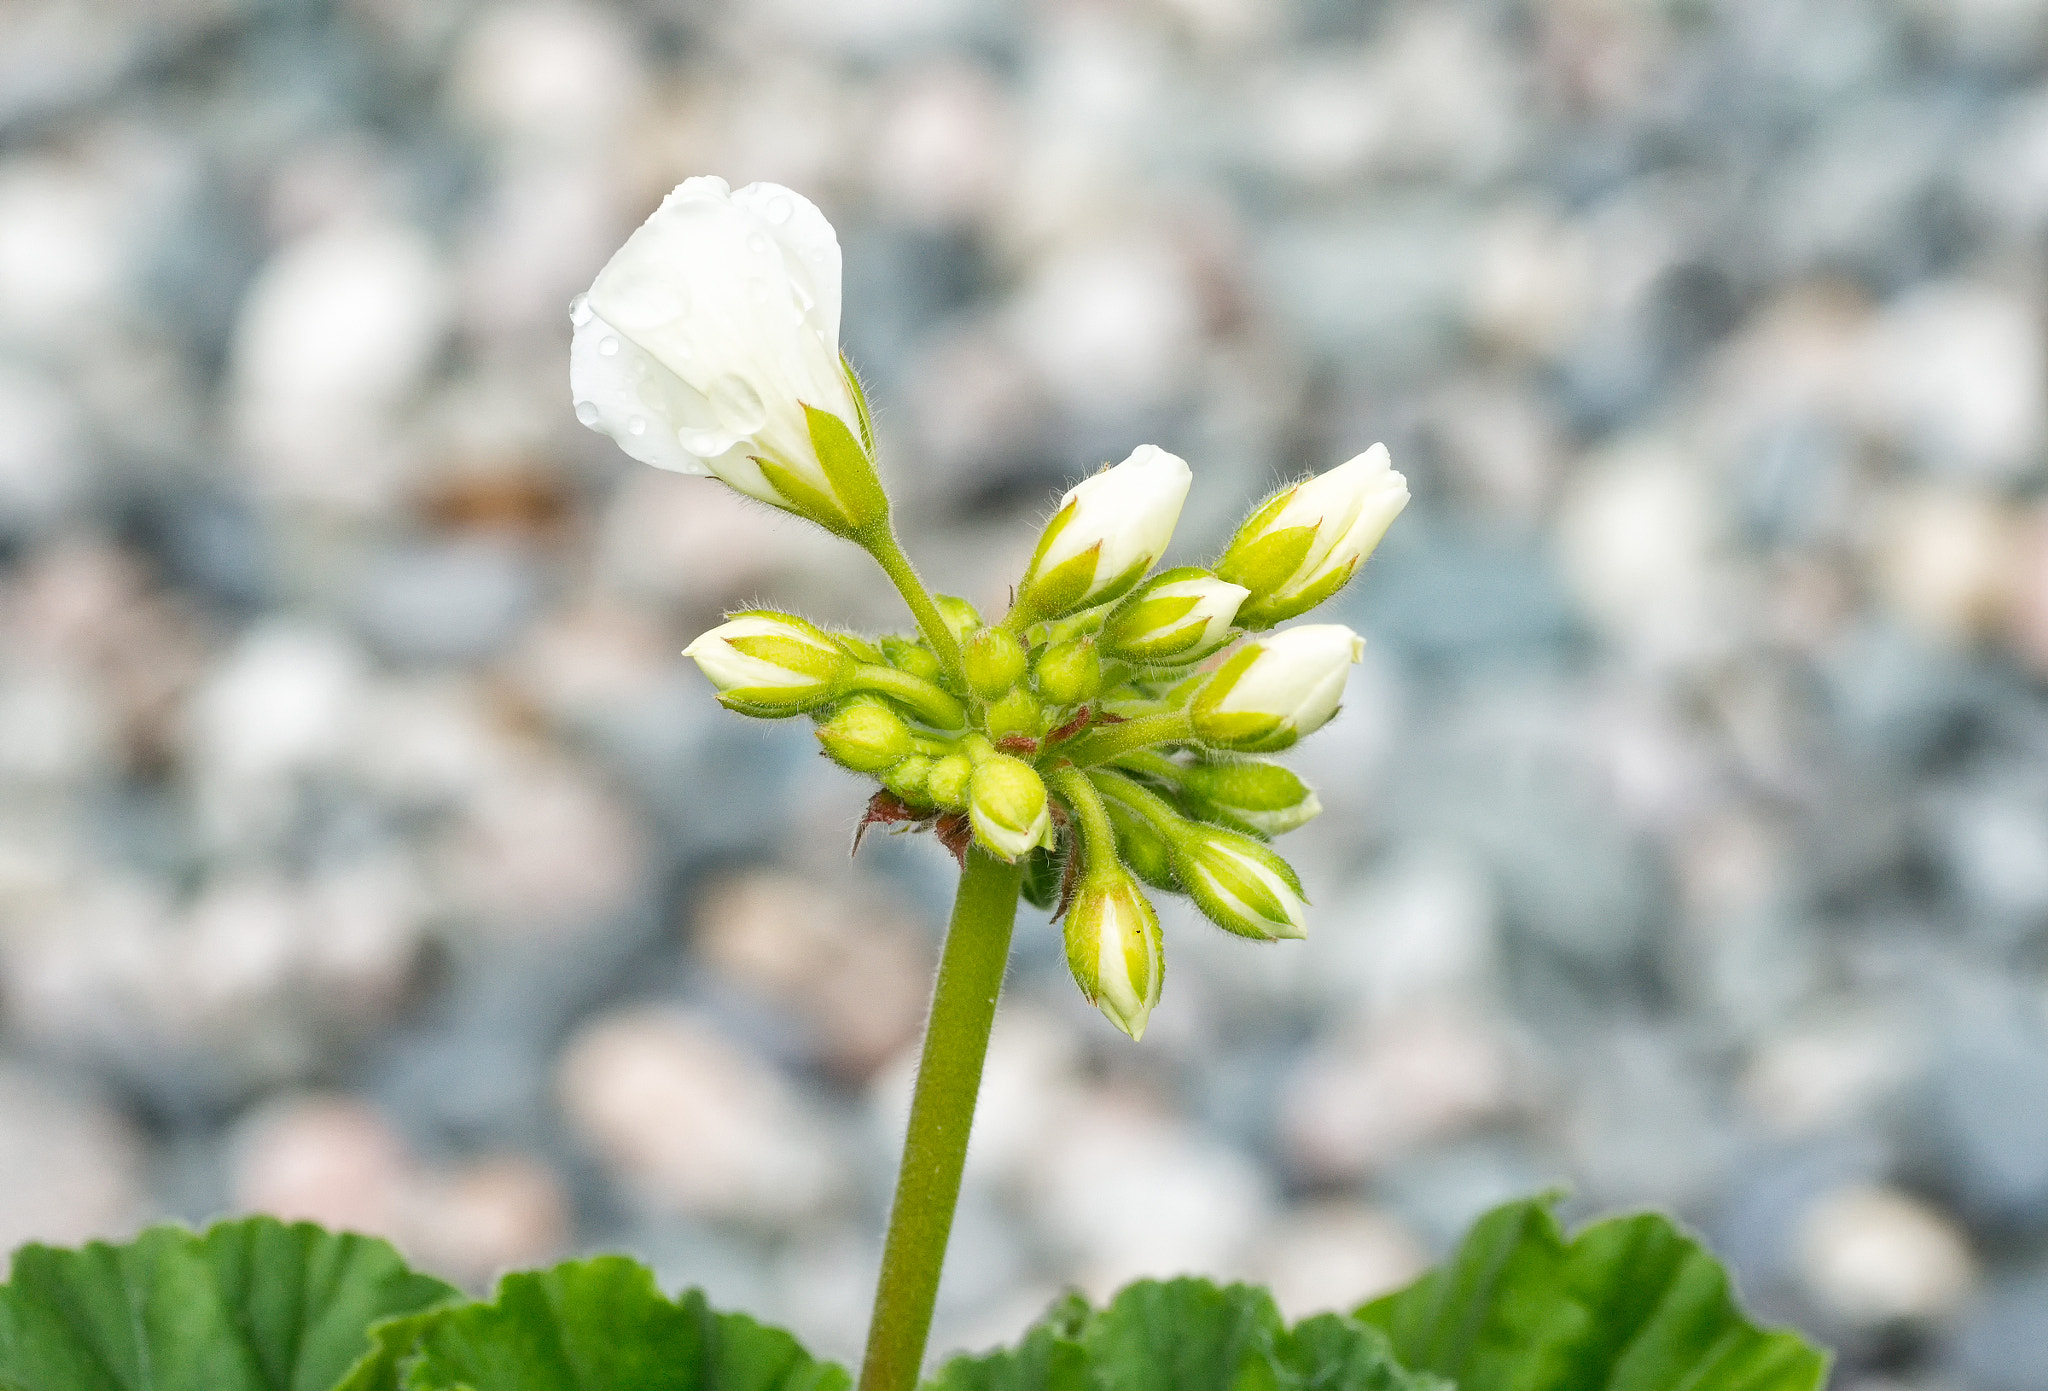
(368,853)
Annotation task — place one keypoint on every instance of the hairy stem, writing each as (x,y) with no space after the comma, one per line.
(1105,742)
(941,1114)
(1098,835)
(932,704)
(881,543)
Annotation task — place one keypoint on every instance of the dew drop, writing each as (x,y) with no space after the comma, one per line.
(586,411)
(736,405)
(609,347)
(579,311)
(636,426)
(778,210)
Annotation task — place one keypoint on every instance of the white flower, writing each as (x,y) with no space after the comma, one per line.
(1114,948)
(1241,885)
(1107,533)
(771,664)
(703,339)
(1006,806)
(1304,544)
(1178,617)
(1273,691)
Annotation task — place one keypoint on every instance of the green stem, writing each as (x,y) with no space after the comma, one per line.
(1140,799)
(941,1114)
(1098,833)
(881,543)
(932,704)
(1108,741)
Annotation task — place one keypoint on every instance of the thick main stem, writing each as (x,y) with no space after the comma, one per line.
(941,1114)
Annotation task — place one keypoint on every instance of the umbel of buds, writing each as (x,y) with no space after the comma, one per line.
(1106,733)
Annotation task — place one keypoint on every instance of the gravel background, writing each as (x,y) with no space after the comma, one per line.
(367,852)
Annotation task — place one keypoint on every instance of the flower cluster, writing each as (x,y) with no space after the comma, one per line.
(1105,731)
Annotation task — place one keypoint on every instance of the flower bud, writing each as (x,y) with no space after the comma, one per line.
(1178,617)
(1241,885)
(946,784)
(1304,543)
(709,344)
(1273,691)
(1018,713)
(908,778)
(959,615)
(993,661)
(865,735)
(858,647)
(771,664)
(1070,672)
(1114,948)
(1107,533)
(1006,803)
(1265,797)
(909,655)
(1143,850)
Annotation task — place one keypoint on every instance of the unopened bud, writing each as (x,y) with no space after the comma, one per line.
(1143,850)
(960,616)
(1266,797)
(1019,713)
(946,784)
(865,735)
(1107,533)
(1305,543)
(771,664)
(1178,617)
(909,655)
(908,778)
(1273,691)
(1240,884)
(1114,948)
(1070,672)
(993,661)
(1006,803)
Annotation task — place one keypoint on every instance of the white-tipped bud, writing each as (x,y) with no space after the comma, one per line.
(1114,948)
(1107,533)
(1273,691)
(1006,805)
(1303,544)
(771,664)
(1264,796)
(1178,617)
(709,344)
(1241,885)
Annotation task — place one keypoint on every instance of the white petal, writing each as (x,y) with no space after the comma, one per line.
(610,377)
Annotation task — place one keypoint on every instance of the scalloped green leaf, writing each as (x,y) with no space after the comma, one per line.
(601,1325)
(251,1305)
(1631,1304)
(1050,1358)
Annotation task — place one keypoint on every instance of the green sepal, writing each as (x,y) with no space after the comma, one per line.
(1630,1304)
(860,404)
(1257,612)
(1263,566)
(857,647)
(800,497)
(1062,588)
(792,654)
(849,467)
(908,654)
(1232,879)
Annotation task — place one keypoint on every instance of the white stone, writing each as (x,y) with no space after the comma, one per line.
(331,1159)
(943,145)
(1954,372)
(1872,1254)
(282,701)
(70,1168)
(689,1122)
(1111,326)
(547,74)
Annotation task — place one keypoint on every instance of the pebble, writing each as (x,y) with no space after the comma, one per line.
(1874,1255)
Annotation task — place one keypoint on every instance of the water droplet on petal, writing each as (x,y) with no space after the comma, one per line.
(778,210)
(737,405)
(636,426)
(609,347)
(586,411)
(579,310)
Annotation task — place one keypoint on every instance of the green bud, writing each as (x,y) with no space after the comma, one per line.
(1273,691)
(1070,672)
(909,778)
(1143,850)
(1240,884)
(1019,712)
(1305,542)
(1179,617)
(1006,802)
(911,656)
(866,736)
(772,664)
(1114,948)
(993,660)
(857,647)
(962,617)
(946,784)
(1262,796)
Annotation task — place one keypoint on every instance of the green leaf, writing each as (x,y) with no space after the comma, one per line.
(253,1305)
(1050,1358)
(600,1325)
(1332,1353)
(1631,1304)
(1185,1335)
